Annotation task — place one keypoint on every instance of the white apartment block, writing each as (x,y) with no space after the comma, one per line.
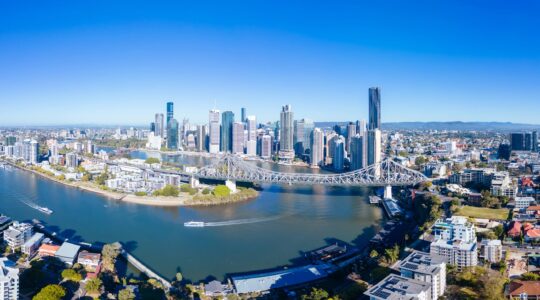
(454,228)
(457,253)
(524,202)
(491,250)
(17,234)
(9,280)
(424,267)
(395,287)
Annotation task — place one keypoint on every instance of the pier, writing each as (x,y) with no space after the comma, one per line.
(144,269)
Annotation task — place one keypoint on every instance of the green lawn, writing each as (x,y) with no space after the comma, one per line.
(483,212)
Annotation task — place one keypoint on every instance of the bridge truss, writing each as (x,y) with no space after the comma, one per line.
(387,172)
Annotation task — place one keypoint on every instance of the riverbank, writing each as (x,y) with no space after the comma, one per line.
(183,199)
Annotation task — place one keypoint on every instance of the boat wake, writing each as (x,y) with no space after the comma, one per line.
(230,223)
(37,207)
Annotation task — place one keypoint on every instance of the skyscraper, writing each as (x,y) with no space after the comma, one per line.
(358,153)
(298,137)
(237,138)
(517,141)
(317,147)
(214,131)
(159,125)
(266,146)
(286,147)
(351,133)
(338,161)
(308,129)
(227,120)
(374,108)
(170,112)
(201,137)
(34,152)
(243,115)
(251,128)
(374,147)
(535,141)
(172,134)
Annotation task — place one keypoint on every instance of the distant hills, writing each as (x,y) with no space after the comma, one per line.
(454,125)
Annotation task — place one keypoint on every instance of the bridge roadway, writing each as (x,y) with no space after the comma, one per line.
(232,168)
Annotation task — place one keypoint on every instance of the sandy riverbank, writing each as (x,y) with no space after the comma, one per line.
(183,199)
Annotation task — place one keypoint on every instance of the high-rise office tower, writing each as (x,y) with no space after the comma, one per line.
(153,127)
(374,147)
(266,146)
(351,133)
(535,141)
(517,141)
(200,137)
(10,140)
(243,115)
(308,129)
(298,137)
(528,141)
(237,138)
(329,147)
(170,112)
(227,120)
(286,147)
(358,153)
(172,134)
(374,108)
(338,161)
(159,125)
(251,122)
(317,147)
(214,131)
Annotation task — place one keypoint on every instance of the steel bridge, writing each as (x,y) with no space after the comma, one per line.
(388,172)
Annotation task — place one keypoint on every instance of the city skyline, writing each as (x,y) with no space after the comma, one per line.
(112,63)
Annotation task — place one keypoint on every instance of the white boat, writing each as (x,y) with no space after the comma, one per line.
(44,210)
(194,224)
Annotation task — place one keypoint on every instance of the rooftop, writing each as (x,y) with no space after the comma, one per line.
(395,287)
(278,279)
(68,250)
(422,262)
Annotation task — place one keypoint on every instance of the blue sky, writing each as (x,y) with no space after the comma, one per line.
(115,62)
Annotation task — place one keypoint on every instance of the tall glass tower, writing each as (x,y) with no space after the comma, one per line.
(172,134)
(227,120)
(170,111)
(374,108)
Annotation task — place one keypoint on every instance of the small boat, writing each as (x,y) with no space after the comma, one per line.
(374,199)
(194,224)
(44,210)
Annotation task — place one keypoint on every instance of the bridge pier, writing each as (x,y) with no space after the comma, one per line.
(231,184)
(194,182)
(388,192)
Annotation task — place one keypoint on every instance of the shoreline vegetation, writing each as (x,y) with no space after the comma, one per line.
(184,196)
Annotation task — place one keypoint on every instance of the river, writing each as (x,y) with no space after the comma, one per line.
(269,231)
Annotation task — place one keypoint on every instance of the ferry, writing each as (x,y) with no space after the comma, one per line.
(44,210)
(194,224)
(374,199)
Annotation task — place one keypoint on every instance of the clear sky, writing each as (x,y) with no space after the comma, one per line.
(118,62)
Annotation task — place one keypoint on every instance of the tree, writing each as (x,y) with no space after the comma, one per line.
(109,254)
(373,253)
(528,276)
(126,294)
(420,160)
(94,285)
(70,274)
(179,277)
(152,160)
(392,254)
(316,294)
(51,292)
(168,191)
(222,191)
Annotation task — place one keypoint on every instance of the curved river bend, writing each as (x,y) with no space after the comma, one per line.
(269,231)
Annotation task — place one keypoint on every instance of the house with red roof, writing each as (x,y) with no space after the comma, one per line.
(521,290)
(515,230)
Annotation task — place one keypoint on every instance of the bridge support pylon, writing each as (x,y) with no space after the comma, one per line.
(231,184)
(194,182)
(388,192)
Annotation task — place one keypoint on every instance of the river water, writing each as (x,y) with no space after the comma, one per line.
(267,232)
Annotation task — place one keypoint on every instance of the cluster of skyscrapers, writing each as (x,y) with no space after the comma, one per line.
(355,145)
(27,149)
